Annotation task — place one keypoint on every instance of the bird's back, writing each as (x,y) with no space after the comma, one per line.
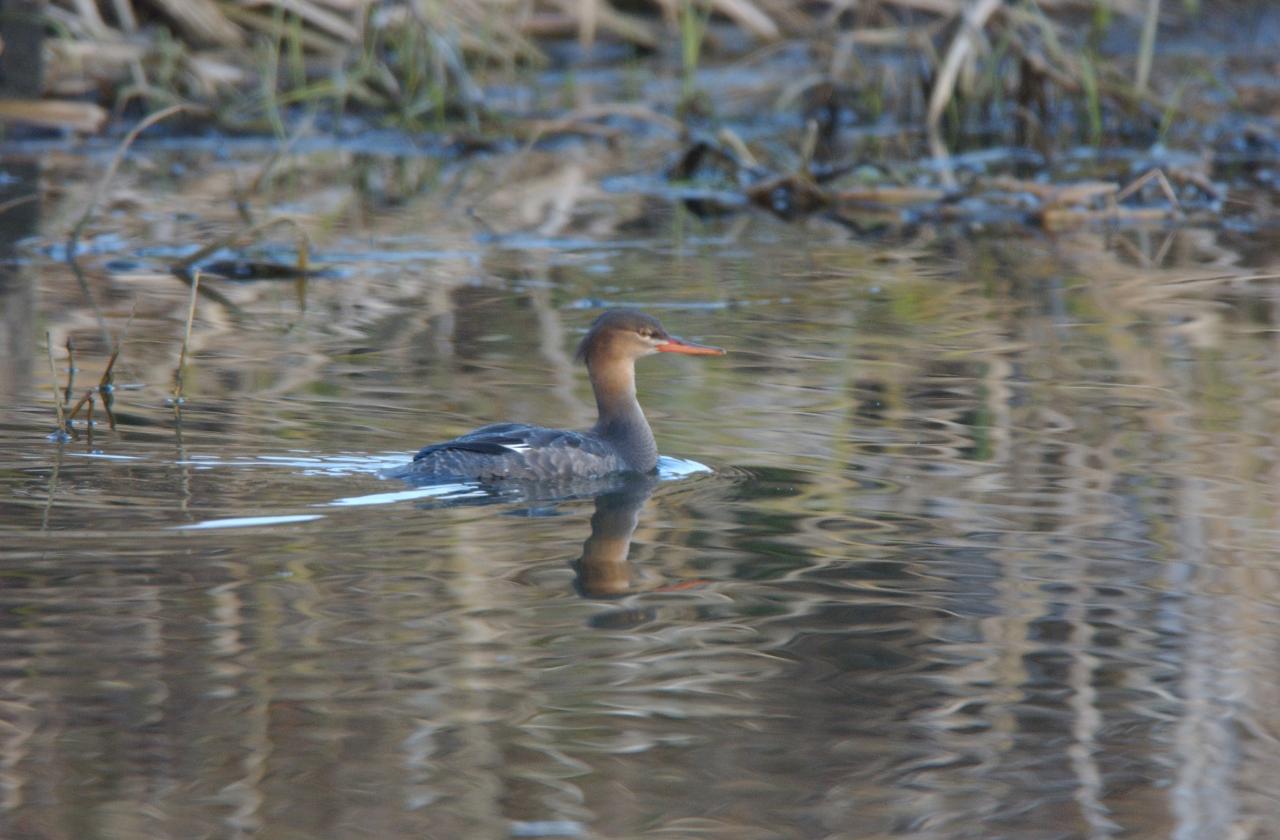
(514,452)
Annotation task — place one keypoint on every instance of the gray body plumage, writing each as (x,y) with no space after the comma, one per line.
(515,452)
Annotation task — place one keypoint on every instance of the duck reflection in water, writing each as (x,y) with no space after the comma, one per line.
(603,570)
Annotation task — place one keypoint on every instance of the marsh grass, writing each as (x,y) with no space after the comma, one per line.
(423,65)
(948,75)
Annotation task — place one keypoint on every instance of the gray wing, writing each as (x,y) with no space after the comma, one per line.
(515,451)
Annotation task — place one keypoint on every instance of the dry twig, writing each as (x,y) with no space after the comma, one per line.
(962,46)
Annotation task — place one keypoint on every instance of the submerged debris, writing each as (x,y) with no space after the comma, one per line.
(843,189)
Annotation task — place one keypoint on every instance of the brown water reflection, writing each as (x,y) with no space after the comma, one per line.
(989,548)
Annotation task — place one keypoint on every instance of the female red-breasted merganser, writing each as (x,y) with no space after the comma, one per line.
(620,441)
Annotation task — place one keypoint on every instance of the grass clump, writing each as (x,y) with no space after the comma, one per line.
(952,73)
(423,63)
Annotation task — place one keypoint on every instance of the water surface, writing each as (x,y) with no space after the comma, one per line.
(986,545)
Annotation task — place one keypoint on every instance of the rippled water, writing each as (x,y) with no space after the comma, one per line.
(971,535)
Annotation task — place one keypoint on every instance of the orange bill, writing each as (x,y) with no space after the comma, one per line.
(689,348)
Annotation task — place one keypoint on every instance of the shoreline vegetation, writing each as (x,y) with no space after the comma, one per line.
(1081,111)
(879,118)
(429,64)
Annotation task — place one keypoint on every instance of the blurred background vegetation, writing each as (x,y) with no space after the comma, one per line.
(436,64)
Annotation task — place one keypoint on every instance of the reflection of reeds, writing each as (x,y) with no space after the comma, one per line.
(252,233)
(53,381)
(73,238)
(178,374)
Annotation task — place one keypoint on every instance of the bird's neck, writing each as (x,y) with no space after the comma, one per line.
(621,421)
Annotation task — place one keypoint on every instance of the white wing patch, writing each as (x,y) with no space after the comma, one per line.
(516,447)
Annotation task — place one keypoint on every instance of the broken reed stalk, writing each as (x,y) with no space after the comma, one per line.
(80,403)
(146,122)
(102,389)
(186,339)
(105,381)
(106,387)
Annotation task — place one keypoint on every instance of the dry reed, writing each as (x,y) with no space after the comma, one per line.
(410,56)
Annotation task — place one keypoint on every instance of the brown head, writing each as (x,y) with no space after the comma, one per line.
(629,334)
(616,339)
